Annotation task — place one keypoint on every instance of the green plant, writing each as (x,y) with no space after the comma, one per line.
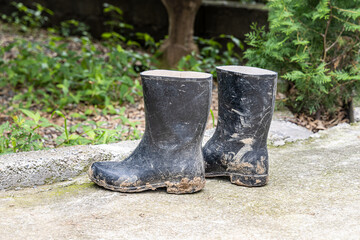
(211,55)
(148,42)
(119,31)
(4,139)
(60,73)
(115,24)
(22,135)
(67,137)
(27,18)
(69,28)
(212,117)
(92,132)
(315,46)
(54,76)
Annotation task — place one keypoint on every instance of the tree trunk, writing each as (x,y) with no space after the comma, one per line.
(180,42)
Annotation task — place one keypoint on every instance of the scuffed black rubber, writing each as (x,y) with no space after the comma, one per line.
(238,147)
(169,155)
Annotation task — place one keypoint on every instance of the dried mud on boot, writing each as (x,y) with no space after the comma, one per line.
(238,149)
(177,105)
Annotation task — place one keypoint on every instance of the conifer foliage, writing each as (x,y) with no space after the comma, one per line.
(314,45)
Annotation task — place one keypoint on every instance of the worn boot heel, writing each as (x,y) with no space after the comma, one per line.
(185,185)
(249,180)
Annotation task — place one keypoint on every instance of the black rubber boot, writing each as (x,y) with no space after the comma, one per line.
(169,155)
(238,147)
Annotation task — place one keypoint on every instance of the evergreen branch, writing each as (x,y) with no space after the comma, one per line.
(325,35)
(345,10)
(345,21)
(337,39)
(317,46)
(341,85)
(303,24)
(307,27)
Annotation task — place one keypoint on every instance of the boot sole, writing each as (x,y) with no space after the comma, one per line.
(185,185)
(241,179)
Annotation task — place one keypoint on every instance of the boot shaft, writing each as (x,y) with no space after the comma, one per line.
(246,100)
(177,105)
(238,147)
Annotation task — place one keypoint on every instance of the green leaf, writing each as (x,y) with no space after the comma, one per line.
(119,48)
(58,113)
(91,134)
(106,35)
(322,10)
(73,137)
(29,113)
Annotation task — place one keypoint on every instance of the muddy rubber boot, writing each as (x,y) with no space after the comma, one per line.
(169,155)
(238,147)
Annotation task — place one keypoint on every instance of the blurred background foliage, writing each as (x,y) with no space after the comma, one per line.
(54,69)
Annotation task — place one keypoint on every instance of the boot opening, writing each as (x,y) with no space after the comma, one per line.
(177,74)
(246,70)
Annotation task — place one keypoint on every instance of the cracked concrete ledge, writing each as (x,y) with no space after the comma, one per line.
(28,169)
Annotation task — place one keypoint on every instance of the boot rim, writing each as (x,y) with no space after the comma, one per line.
(163,74)
(246,70)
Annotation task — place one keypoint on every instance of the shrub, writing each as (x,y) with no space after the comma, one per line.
(54,76)
(56,72)
(314,45)
(27,18)
(212,54)
(52,71)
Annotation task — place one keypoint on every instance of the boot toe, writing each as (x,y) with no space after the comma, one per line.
(113,175)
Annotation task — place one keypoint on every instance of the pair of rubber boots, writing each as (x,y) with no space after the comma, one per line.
(177,106)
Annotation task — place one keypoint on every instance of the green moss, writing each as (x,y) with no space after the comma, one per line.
(73,189)
(49,195)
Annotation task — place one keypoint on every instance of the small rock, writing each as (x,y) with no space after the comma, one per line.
(357,114)
(287,132)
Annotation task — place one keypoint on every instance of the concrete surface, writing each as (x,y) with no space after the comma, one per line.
(44,167)
(313,193)
(282,132)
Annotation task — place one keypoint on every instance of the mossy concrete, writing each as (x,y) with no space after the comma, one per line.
(313,193)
